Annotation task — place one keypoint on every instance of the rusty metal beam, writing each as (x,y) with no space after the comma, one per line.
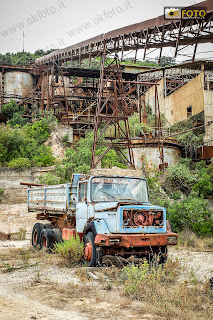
(147,34)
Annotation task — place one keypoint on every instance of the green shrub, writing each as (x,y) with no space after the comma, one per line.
(1,193)
(44,158)
(19,163)
(49,179)
(17,120)
(140,281)
(72,250)
(10,109)
(26,142)
(179,178)
(66,138)
(190,213)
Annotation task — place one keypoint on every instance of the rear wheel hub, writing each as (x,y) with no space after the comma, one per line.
(88,251)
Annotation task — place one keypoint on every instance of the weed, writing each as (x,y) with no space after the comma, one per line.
(192,276)
(25,256)
(37,278)
(8,267)
(173,299)
(1,193)
(72,250)
(22,233)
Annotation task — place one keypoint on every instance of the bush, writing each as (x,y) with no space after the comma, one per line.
(190,213)
(66,138)
(10,109)
(141,281)
(17,120)
(179,177)
(72,250)
(49,179)
(185,176)
(163,295)
(19,163)
(26,142)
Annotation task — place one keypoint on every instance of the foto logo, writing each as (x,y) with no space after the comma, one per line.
(172,13)
(176,13)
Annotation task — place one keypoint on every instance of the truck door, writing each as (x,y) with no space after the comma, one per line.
(81,207)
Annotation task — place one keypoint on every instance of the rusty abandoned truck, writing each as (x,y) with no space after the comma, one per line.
(111,214)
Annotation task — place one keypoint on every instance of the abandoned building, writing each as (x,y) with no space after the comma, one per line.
(83,98)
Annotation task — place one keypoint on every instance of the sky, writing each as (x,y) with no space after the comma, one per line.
(50,24)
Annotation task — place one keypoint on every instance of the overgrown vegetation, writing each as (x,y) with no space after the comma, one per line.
(190,185)
(188,239)
(21,58)
(190,133)
(173,300)
(72,250)
(78,159)
(21,144)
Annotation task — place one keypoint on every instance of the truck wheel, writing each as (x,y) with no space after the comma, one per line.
(90,250)
(36,234)
(48,226)
(47,239)
(57,234)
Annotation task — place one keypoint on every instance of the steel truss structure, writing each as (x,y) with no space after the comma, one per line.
(151,34)
(112,109)
(114,105)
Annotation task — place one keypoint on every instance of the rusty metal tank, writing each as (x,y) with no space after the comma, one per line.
(58,86)
(18,83)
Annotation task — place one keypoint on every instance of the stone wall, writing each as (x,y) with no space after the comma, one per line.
(10,181)
(15,217)
(115,171)
(13,207)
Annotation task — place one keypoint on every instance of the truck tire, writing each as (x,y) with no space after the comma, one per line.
(48,226)
(57,235)
(36,234)
(90,252)
(47,239)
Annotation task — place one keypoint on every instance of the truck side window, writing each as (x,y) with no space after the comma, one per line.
(83,191)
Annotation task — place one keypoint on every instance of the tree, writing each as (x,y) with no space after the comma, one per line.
(166,61)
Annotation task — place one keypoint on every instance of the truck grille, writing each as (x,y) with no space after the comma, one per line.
(142,218)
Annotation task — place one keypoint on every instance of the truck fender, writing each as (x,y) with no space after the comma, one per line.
(101,226)
(90,227)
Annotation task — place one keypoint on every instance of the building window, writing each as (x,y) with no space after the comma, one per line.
(189,111)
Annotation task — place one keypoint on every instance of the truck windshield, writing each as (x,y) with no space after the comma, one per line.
(119,189)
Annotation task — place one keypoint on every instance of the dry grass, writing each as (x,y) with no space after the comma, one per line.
(189,239)
(129,292)
(159,288)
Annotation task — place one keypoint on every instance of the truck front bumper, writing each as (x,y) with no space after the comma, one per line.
(136,240)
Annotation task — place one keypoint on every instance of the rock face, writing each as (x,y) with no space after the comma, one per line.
(56,143)
(56,138)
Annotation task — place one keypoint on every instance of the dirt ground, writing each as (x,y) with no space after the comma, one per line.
(34,285)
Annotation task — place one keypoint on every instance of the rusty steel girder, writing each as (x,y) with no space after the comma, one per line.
(152,33)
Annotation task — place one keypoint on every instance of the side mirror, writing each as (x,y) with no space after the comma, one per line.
(74,198)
